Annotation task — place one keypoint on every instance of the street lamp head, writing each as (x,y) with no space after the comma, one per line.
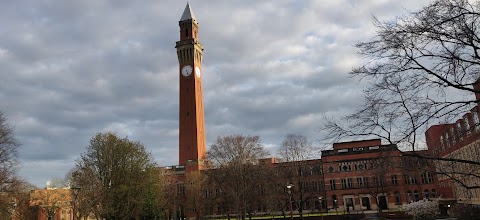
(320,198)
(289,186)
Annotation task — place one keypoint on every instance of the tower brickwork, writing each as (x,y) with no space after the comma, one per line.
(192,143)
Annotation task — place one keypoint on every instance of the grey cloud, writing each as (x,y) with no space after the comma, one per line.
(71,69)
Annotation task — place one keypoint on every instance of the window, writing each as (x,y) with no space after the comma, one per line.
(426,194)
(394,180)
(359,182)
(409,196)
(410,179)
(180,189)
(365,181)
(452,134)
(476,120)
(398,199)
(427,177)
(306,186)
(433,194)
(366,202)
(350,183)
(344,183)
(332,184)
(378,181)
(416,195)
(467,125)
(315,186)
(459,131)
(447,140)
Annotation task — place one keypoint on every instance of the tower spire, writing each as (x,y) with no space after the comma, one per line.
(187,13)
(192,144)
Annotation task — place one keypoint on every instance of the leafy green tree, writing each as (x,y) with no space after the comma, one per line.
(118,180)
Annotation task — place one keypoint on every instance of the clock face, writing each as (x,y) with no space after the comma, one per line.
(197,72)
(187,70)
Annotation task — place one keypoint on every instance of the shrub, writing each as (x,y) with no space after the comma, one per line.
(422,210)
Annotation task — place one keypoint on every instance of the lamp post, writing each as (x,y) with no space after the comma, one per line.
(75,190)
(320,206)
(336,206)
(289,190)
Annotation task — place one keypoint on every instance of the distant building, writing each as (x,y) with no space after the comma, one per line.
(51,204)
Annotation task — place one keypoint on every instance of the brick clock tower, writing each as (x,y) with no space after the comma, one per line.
(192,143)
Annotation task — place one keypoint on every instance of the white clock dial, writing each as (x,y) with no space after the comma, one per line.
(187,70)
(197,72)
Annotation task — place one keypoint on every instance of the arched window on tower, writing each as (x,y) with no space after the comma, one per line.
(186,32)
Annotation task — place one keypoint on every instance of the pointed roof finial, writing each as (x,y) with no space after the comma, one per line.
(187,13)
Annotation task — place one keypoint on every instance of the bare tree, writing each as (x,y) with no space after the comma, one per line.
(195,189)
(422,69)
(236,172)
(378,188)
(9,181)
(294,151)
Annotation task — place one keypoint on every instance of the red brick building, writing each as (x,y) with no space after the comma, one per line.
(460,140)
(52,204)
(353,177)
(366,175)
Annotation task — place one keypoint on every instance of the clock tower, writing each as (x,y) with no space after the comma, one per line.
(192,143)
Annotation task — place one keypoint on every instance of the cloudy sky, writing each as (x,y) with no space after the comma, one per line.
(70,69)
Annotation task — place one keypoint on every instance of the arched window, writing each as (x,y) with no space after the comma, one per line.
(409,196)
(433,194)
(398,199)
(426,194)
(416,195)
(186,32)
